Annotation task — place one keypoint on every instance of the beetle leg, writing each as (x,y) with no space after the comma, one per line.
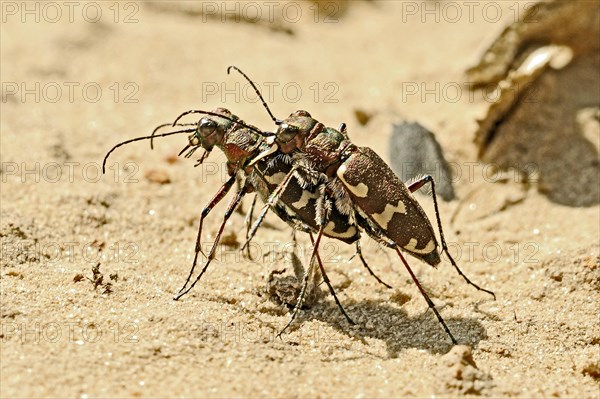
(328,282)
(427,299)
(248,223)
(309,272)
(216,199)
(364,262)
(273,198)
(232,205)
(414,187)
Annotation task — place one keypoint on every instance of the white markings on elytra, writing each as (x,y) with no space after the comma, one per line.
(412,247)
(304,199)
(331,233)
(360,190)
(277,178)
(388,213)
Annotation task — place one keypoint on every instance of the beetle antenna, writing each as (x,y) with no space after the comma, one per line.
(165,125)
(241,123)
(277,121)
(139,139)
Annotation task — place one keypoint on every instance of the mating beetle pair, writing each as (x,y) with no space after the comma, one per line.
(314,178)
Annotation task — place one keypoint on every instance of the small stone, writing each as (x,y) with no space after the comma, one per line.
(460,373)
(592,369)
(171,159)
(363,117)
(158,176)
(284,289)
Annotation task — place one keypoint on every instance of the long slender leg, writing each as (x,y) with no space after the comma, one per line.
(307,274)
(255,226)
(232,205)
(429,302)
(295,261)
(216,199)
(328,282)
(198,249)
(248,223)
(322,211)
(417,185)
(364,262)
(239,182)
(273,198)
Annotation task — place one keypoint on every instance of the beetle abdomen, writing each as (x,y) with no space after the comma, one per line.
(380,195)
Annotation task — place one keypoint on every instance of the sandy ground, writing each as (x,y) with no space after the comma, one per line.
(71,90)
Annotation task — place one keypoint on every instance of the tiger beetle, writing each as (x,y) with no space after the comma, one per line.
(244,146)
(295,202)
(362,184)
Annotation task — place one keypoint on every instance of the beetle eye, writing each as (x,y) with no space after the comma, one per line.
(206,127)
(286,132)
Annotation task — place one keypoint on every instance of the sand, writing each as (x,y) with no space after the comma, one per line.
(90,263)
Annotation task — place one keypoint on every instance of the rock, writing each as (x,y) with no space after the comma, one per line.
(543,73)
(460,373)
(415,152)
(568,23)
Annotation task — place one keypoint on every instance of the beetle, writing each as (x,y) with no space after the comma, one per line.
(242,143)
